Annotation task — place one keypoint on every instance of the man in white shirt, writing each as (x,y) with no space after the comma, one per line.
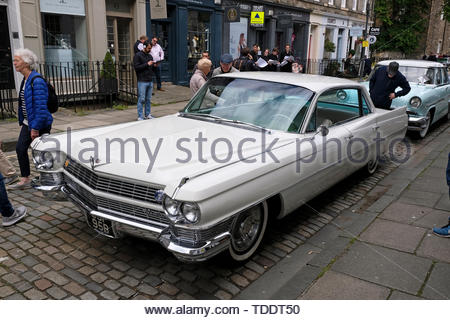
(158,56)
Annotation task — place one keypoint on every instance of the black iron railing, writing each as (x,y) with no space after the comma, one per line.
(86,83)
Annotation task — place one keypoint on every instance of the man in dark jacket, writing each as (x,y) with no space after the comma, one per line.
(245,62)
(143,63)
(383,84)
(139,45)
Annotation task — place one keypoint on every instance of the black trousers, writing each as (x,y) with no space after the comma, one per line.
(22,149)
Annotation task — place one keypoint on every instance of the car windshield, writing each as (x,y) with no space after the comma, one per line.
(415,74)
(259,103)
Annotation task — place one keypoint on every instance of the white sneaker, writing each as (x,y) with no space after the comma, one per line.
(140,119)
(149,117)
(19,214)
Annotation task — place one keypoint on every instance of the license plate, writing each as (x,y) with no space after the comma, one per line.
(101,225)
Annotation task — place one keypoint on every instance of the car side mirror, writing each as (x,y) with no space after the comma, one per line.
(323,130)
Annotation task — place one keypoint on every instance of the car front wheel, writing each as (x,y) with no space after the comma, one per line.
(248,231)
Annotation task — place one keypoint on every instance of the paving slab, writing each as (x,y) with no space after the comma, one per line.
(398,295)
(438,285)
(436,218)
(280,275)
(393,235)
(381,204)
(331,251)
(444,202)
(353,230)
(387,267)
(405,213)
(427,199)
(429,184)
(337,286)
(435,247)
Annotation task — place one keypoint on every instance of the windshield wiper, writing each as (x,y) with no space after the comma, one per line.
(223,120)
(239,122)
(196,114)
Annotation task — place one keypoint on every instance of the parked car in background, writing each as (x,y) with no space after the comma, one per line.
(248,147)
(428,100)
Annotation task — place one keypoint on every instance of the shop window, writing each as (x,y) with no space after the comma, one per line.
(65,38)
(198,37)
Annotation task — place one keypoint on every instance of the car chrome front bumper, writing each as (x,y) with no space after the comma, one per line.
(164,235)
(417,123)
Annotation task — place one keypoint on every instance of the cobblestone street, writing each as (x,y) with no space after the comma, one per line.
(53,254)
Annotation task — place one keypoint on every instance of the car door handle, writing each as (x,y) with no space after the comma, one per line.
(375,128)
(349,137)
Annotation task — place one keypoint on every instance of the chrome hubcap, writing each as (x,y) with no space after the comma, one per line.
(247,229)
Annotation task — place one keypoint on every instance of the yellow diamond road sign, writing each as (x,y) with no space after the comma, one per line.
(257,18)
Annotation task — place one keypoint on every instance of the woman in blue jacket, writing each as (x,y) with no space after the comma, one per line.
(33,114)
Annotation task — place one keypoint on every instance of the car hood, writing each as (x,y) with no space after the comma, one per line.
(417,90)
(165,150)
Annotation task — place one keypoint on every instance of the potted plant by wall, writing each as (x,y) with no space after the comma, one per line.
(107,83)
(332,67)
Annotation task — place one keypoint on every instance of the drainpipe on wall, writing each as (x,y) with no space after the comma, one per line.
(148,19)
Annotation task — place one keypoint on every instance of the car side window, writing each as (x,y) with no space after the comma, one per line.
(429,76)
(444,76)
(335,107)
(438,77)
(365,106)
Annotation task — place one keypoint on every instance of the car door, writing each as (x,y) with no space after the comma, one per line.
(361,147)
(442,93)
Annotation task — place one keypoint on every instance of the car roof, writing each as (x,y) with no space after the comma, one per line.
(312,82)
(413,63)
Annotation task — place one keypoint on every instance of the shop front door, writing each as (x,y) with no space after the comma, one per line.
(162,30)
(6,68)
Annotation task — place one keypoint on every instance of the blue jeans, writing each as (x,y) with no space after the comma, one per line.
(6,208)
(144,98)
(157,71)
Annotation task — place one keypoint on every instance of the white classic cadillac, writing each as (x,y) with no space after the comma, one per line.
(247,147)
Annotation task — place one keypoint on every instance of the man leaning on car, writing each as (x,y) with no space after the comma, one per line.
(383,84)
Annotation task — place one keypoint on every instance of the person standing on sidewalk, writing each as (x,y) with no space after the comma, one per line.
(445,230)
(158,55)
(33,113)
(143,65)
(139,45)
(199,77)
(7,169)
(383,83)
(9,215)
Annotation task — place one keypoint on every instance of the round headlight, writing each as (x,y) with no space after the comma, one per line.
(415,102)
(45,160)
(170,206)
(191,212)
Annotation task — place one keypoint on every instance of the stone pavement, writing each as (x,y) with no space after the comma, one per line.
(384,251)
(163,102)
(53,254)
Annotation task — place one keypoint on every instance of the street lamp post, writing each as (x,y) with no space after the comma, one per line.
(366,31)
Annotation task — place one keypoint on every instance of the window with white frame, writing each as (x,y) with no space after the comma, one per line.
(343,3)
(355,5)
(331,2)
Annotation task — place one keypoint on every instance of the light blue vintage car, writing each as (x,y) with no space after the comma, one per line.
(428,100)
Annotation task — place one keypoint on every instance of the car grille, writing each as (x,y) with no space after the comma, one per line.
(51,179)
(190,237)
(128,210)
(111,185)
